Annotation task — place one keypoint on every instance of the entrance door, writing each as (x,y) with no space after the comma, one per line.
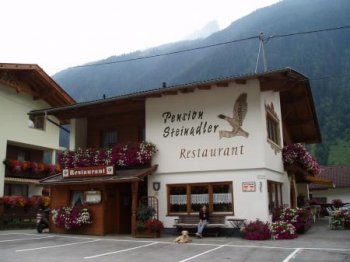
(124,207)
(111,214)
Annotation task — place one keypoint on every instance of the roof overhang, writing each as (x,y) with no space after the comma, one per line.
(319,181)
(298,110)
(121,176)
(31,79)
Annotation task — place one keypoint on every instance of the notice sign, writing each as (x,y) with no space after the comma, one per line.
(248,186)
(92,197)
(88,171)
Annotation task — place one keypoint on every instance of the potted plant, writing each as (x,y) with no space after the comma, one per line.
(147,225)
(154,226)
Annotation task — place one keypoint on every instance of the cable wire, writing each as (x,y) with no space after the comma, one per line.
(210,46)
(169,53)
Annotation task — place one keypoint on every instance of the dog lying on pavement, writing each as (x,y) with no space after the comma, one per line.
(184,238)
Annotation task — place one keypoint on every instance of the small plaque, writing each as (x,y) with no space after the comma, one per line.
(249,186)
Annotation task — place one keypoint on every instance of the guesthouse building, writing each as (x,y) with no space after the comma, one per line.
(28,145)
(219,143)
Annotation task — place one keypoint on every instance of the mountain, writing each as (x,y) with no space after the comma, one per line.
(204,32)
(323,56)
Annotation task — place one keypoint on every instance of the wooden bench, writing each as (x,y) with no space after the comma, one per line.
(190,222)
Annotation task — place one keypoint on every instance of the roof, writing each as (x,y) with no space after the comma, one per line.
(298,110)
(31,79)
(340,175)
(121,176)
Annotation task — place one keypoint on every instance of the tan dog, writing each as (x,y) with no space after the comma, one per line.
(184,238)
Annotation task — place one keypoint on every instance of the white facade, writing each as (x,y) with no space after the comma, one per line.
(14,108)
(192,149)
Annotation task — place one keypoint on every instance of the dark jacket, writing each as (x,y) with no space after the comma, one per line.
(204,215)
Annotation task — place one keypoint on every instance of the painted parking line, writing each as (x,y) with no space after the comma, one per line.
(292,255)
(55,246)
(201,254)
(121,251)
(21,239)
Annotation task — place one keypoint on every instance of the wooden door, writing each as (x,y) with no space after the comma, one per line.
(125,208)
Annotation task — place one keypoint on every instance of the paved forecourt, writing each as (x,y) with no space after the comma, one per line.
(319,244)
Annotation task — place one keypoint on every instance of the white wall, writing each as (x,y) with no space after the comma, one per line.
(255,162)
(180,153)
(14,108)
(333,193)
(248,205)
(34,190)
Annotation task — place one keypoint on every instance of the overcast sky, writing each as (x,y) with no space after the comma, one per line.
(56,34)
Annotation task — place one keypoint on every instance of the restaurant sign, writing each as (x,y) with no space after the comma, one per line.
(92,171)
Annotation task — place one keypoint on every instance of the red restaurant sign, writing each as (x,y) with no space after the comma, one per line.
(88,171)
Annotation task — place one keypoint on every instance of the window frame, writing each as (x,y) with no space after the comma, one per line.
(277,196)
(273,128)
(189,186)
(110,145)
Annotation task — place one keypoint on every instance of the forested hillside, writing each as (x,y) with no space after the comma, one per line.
(323,56)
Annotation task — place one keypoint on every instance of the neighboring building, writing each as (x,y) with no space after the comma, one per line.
(340,175)
(219,143)
(26,142)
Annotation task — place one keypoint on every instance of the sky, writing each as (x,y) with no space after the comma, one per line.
(57,34)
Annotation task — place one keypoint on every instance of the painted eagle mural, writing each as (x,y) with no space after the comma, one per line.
(240,109)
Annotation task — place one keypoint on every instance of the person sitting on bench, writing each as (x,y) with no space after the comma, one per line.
(203,221)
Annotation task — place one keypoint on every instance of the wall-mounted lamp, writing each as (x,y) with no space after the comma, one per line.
(156,186)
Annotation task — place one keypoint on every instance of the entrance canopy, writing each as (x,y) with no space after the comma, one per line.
(319,181)
(121,176)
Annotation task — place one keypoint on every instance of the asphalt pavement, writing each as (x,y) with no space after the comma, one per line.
(318,244)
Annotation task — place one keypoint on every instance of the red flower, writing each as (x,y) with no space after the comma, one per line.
(154,225)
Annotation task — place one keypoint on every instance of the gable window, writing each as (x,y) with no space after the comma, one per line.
(37,122)
(109,138)
(273,128)
(189,198)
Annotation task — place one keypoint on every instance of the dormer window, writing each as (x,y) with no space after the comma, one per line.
(273,128)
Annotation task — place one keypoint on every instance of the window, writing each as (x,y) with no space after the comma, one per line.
(273,128)
(222,198)
(189,198)
(77,198)
(22,156)
(109,138)
(37,122)
(16,190)
(275,195)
